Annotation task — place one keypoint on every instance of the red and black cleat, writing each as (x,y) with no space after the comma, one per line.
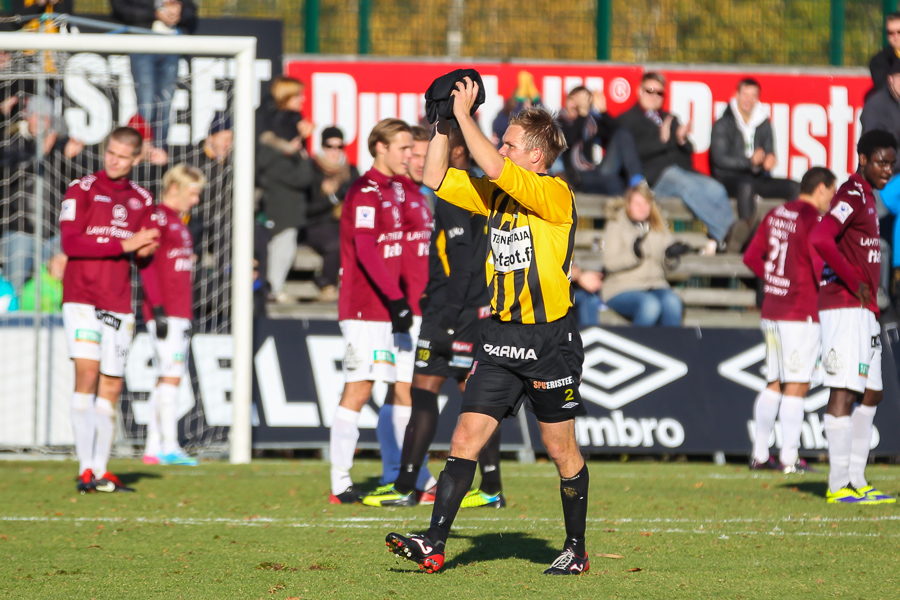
(418,549)
(86,482)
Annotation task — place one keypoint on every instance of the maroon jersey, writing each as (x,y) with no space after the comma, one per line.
(781,255)
(371,210)
(859,242)
(417,226)
(96,215)
(172,265)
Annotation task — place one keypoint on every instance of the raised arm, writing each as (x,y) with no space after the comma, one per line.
(480,147)
(437,157)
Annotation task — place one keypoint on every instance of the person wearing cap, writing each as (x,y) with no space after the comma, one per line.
(20,160)
(333,175)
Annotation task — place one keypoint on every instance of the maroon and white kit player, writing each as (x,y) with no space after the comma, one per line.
(781,255)
(105,218)
(848,240)
(169,322)
(373,312)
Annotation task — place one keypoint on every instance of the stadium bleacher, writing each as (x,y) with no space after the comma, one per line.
(717,291)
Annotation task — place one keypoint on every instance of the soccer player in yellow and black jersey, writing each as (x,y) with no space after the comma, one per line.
(531,346)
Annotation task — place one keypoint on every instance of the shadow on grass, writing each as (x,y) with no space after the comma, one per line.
(129,479)
(813,488)
(496,546)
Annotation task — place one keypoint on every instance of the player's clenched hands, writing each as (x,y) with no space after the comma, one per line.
(464,98)
(863,294)
(144,242)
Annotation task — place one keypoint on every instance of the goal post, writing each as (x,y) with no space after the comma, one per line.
(243,51)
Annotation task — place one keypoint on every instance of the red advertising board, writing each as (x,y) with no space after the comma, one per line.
(815,116)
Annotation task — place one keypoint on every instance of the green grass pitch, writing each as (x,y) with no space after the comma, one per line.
(265,530)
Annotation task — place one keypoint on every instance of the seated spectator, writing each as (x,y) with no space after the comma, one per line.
(51,286)
(586,125)
(880,64)
(8,301)
(637,245)
(285,174)
(17,208)
(586,287)
(742,153)
(665,152)
(333,176)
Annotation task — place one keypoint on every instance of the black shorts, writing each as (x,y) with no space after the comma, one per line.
(466,339)
(542,362)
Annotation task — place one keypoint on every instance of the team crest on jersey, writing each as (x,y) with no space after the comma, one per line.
(134,204)
(399,191)
(120,213)
(162,219)
(185,237)
(842,211)
(832,363)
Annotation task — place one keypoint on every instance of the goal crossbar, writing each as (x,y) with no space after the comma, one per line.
(243,50)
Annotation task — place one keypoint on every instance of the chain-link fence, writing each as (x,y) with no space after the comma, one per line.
(784,32)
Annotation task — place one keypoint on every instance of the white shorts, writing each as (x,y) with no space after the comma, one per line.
(851,349)
(99,335)
(792,350)
(404,354)
(170,354)
(369,351)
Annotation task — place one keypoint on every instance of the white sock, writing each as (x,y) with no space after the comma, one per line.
(401,420)
(83,428)
(104,413)
(153,446)
(765,410)
(791,415)
(861,420)
(344,435)
(168,417)
(839,431)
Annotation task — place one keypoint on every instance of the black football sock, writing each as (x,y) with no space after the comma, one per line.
(489,462)
(418,438)
(454,483)
(574,493)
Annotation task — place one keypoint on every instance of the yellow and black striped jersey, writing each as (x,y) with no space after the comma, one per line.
(531,238)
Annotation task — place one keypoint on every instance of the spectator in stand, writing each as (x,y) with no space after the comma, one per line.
(51,286)
(665,152)
(586,286)
(155,75)
(285,173)
(333,176)
(8,301)
(17,209)
(880,65)
(586,125)
(742,153)
(637,250)
(882,111)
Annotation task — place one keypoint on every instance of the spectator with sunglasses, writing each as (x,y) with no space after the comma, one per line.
(332,178)
(665,152)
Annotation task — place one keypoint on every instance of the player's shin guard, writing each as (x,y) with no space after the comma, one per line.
(574,494)
(489,461)
(860,442)
(839,432)
(419,435)
(344,435)
(105,415)
(83,428)
(791,414)
(167,397)
(765,410)
(454,482)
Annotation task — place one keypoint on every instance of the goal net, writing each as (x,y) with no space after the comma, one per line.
(57,106)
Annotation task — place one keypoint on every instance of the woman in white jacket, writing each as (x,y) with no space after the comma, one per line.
(637,245)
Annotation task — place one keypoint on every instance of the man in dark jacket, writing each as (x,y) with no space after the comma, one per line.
(742,153)
(880,64)
(665,152)
(155,75)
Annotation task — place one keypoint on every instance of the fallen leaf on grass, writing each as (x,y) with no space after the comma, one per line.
(698,485)
(608,530)
(634,570)
(646,533)
(277,587)
(610,556)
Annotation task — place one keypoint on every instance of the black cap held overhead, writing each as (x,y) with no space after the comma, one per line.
(439,103)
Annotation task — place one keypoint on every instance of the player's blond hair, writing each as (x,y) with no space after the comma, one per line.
(285,88)
(182,176)
(385,132)
(542,131)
